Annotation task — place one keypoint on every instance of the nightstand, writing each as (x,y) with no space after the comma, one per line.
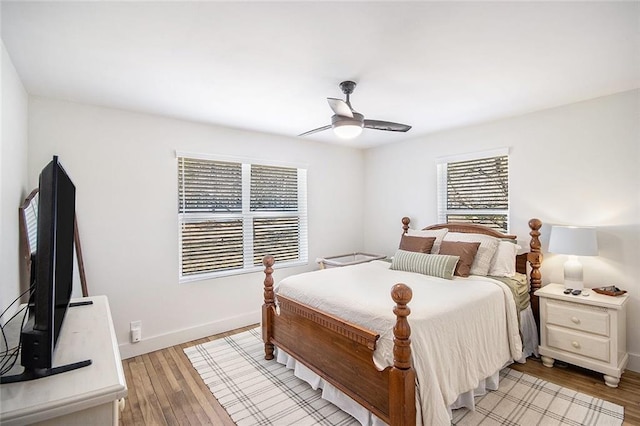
(589,331)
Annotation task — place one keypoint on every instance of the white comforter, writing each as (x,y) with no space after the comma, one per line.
(462,330)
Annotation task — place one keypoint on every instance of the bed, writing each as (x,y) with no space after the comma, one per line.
(366,356)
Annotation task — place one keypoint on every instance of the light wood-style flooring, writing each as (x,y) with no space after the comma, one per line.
(164,389)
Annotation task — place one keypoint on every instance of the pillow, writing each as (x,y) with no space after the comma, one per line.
(437,233)
(466,252)
(488,246)
(503,263)
(436,265)
(417,244)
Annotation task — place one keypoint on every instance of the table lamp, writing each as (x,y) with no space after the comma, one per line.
(574,241)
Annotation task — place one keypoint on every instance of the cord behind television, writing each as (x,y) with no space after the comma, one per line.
(9,356)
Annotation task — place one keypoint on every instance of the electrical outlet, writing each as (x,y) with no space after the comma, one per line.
(136,331)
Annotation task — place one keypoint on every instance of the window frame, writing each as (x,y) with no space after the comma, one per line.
(246,216)
(442,187)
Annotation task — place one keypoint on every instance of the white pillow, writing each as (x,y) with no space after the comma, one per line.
(437,233)
(503,263)
(488,246)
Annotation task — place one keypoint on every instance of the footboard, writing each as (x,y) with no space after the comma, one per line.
(342,353)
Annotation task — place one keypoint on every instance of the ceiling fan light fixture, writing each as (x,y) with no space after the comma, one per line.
(347,130)
(347,127)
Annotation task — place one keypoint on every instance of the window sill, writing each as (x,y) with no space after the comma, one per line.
(232,272)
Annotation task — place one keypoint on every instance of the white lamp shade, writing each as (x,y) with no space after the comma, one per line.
(573,240)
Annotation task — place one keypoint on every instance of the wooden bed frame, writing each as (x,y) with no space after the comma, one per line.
(342,353)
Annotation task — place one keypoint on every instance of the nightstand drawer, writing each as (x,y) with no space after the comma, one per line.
(578,343)
(578,317)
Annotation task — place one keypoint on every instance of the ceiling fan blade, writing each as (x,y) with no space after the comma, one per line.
(340,107)
(386,125)
(319,129)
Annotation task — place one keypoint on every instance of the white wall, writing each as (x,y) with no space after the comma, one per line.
(123,165)
(13,176)
(577,164)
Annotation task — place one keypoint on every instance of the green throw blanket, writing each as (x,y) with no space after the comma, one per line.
(519,286)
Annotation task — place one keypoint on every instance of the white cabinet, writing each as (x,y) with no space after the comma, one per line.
(87,396)
(589,331)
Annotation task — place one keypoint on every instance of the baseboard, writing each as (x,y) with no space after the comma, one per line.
(634,363)
(154,343)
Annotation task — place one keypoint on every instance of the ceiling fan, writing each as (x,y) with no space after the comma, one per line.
(347,123)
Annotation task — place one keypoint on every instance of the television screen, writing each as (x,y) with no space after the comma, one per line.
(53,266)
(52,276)
(52,281)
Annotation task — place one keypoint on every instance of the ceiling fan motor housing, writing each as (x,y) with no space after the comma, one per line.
(340,120)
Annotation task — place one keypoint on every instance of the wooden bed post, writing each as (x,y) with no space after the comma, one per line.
(405,224)
(402,397)
(268,308)
(535,260)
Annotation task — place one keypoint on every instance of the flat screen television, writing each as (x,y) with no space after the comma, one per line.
(52,276)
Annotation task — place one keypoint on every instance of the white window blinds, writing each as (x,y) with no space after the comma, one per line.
(475,191)
(231,214)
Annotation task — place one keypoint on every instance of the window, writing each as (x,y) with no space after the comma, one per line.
(232,213)
(475,189)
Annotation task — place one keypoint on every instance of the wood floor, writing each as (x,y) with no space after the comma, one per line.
(164,389)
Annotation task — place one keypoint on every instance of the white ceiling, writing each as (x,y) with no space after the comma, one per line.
(269,67)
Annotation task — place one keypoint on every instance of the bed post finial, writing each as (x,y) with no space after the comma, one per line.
(405,224)
(268,307)
(535,260)
(402,409)
(401,294)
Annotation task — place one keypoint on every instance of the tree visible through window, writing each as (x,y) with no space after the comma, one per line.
(231,214)
(475,191)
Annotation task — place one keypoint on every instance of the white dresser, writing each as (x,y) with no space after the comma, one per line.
(90,395)
(588,331)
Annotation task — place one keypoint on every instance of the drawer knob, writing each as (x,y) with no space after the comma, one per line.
(575,344)
(575,320)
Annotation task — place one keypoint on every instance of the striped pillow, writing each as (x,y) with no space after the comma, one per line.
(436,265)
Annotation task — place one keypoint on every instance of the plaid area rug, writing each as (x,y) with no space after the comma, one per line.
(255,391)
(259,392)
(525,400)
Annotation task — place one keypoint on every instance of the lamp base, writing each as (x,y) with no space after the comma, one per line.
(573,274)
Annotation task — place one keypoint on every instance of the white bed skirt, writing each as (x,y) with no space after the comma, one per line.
(466,399)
